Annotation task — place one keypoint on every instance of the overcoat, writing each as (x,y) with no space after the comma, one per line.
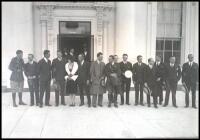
(97,76)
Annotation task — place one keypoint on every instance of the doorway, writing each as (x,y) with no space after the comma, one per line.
(76,35)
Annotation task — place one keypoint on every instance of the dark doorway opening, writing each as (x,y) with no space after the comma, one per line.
(77,42)
(76,35)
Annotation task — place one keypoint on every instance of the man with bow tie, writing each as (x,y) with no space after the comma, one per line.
(173,75)
(190,78)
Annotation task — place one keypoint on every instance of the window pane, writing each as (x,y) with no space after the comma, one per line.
(168,54)
(159,44)
(176,45)
(178,56)
(168,45)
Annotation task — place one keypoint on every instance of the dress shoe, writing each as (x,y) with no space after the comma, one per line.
(71,105)
(156,106)
(31,104)
(122,104)
(37,104)
(22,103)
(149,105)
(56,105)
(81,104)
(160,103)
(14,105)
(48,105)
(109,105)
(63,104)
(115,105)
(194,107)
(89,105)
(186,106)
(128,104)
(136,104)
(100,105)
(175,106)
(142,104)
(40,106)
(94,106)
(164,105)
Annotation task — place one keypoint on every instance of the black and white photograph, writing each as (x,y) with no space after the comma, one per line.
(100,69)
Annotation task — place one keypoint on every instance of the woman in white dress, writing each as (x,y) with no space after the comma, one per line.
(71,86)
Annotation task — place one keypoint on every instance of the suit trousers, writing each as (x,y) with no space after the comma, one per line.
(60,91)
(100,99)
(83,88)
(44,87)
(126,84)
(192,87)
(33,85)
(139,87)
(155,100)
(160,91)
(112,95)
(171,86)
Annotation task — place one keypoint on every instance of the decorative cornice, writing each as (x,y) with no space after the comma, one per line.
(75,5)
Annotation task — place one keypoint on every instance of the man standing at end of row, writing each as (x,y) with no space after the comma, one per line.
(17,79)
(190,78)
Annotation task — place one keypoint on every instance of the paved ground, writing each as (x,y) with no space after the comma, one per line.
(81,122)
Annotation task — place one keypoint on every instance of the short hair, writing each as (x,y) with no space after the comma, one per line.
(138,56)
(82,54)
(31,54)
(112,56)
(115,55)
(190,55)
(159,56)
(100,53)
(125,54)
(150,59)
(19,51)
(46,52)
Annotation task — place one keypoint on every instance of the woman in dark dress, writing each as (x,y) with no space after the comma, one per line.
(71,85)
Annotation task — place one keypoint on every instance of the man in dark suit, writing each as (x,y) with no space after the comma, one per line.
(190,78)
(126,82)
(173,75)
(160,73)
(86,55)
(113,73)
(138,79)
(83,79)
(31,73)
(151,82)
(58,74)
(44,71)
(17,79)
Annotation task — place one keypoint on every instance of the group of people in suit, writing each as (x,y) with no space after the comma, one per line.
(72,75)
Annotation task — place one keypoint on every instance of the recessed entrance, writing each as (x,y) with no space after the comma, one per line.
(76,35)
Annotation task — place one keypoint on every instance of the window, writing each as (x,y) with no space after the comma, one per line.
(169,25)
